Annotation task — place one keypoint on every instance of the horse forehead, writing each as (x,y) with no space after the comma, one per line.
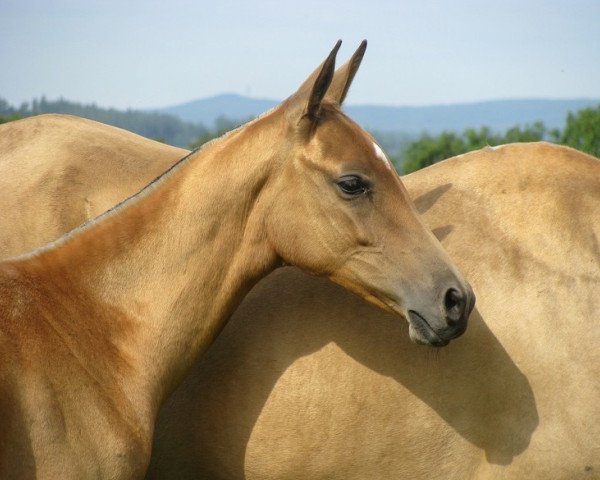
(361,146)
(346,139)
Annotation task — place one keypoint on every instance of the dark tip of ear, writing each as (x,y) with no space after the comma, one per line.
(329,63)
(337,46)
(348,71)
(358,56)
(362,47)
(322,83)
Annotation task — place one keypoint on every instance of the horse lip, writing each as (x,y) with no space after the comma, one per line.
(422,327)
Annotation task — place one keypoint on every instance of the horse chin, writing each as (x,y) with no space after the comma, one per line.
(421,332)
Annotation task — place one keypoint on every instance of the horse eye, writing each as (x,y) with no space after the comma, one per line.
(352,185)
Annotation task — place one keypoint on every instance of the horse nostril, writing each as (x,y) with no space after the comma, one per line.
(454,303)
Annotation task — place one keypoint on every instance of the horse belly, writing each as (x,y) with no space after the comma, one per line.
(328,430)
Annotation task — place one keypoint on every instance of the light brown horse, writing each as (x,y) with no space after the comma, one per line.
(97,328)
(517,397)
(309,382)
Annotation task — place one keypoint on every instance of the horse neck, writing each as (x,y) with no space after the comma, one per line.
(174,260)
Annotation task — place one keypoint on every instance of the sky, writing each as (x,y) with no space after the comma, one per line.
(152,54)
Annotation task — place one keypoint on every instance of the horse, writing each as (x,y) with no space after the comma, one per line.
(98,327)
(527,409)
(335,382)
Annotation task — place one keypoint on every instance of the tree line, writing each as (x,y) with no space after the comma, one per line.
(581,131)
(155,125)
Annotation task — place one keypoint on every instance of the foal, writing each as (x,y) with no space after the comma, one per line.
(98,328)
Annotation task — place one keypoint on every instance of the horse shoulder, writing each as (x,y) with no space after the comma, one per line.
(66,412)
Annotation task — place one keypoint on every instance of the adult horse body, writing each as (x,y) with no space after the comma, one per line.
(307,381)
(517,396)
(59,171)
(97,328)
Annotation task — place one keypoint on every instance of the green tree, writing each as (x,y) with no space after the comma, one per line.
(8,118)
(582,131)
(146,123)
(428,149)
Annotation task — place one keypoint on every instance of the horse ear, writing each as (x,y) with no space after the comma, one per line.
(342,79)
(322,83)
(306,102)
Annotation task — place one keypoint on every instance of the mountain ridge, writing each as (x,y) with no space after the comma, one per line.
(499,115)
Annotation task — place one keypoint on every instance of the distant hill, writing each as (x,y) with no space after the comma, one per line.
(207,110)
(498,115)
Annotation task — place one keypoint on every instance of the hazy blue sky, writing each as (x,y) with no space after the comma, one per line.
(148,53)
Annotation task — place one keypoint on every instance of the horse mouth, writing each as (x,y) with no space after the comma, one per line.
(421,332)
